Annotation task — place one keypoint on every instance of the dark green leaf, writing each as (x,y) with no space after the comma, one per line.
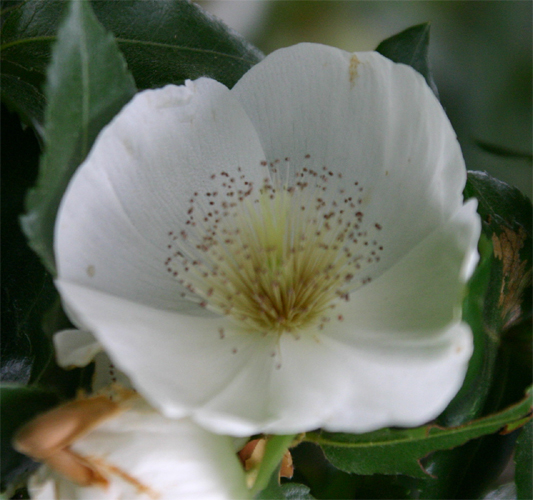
(500,205)
(504,492)
(495,149)
(24,98)
(87,85)
(293,491)
(500,317)
(163,42)
(466,471)
(524,463)
(411,47)
(399,451)
(507,220)
(168,42)
(19,404)
(506,215)
(27,289)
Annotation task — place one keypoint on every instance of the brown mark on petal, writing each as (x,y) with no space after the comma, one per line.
(142,489)
(90,271)
(515,279)
(354,62)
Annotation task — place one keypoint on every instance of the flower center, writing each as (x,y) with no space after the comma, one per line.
(278,258)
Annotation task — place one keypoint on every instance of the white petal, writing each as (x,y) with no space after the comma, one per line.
(373,121)
(75,348)
(406,383)
(112,231)
(422,291)
(165,459)
(241,385)
(180,363)
(406,349)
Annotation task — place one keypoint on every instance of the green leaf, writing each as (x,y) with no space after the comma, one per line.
(411,47)
(496,299)
(163,42)
(18,405)
(399,451)
(500,205)
(27,289)
(507,220)
(24,98)
(287,491)
(524,463)
(503,492)
(294,491)
(87,85)
(498,150)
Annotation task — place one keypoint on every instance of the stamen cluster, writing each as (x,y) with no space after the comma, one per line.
(278,257)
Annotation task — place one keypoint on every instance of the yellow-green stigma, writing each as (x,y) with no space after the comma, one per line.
(277,258)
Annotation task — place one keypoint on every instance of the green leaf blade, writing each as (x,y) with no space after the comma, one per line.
(411,47)
(399,451)
(524,463)
(163,42)
(88,84)
(168,42)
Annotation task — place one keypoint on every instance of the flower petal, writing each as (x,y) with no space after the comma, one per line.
(241,385)
(145,455)
(405,383)
(193,371)
(112,231)
(409,351)
(75,348)
(368,119)
(424,290)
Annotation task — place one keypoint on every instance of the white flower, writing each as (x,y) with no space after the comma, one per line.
(285,255)
(146,456)
(136,453)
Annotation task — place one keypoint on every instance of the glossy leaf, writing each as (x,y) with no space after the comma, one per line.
(294,491)
(27,289)
(19,404)
(399,451)
(507,220)
(524,463)
(498,150)
(163,42)
(504,492)
(411,47)
(500,204)
(87,85)
(497,308)
(24,98)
